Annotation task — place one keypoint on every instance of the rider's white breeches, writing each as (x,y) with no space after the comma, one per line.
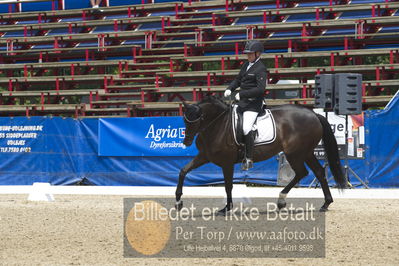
(249,118)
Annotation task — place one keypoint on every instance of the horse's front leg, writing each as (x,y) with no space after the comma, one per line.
(194,163)
(228,172)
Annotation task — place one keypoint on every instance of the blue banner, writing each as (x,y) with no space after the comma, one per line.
(64,151)
(138,136)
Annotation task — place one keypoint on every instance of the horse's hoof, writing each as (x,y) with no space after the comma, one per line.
(224,211)
(179,205)
(324,209)
(221,213)
(281,204)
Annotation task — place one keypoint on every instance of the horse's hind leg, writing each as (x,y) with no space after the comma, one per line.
(319,172)
(297,164)
(194,163)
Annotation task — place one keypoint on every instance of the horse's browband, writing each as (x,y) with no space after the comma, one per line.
(185,118)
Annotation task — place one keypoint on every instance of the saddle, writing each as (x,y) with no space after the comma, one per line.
(265,127)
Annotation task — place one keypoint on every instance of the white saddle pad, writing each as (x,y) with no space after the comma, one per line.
(264,124)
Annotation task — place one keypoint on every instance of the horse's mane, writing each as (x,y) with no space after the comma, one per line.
(214,100)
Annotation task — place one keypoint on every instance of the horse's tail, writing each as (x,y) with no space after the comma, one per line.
(331,148)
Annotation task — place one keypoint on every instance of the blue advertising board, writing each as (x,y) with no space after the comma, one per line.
(65,151)
(138,136)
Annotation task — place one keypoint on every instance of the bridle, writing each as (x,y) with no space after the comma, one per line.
(193,121)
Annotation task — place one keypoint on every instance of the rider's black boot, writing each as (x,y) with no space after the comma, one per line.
(247,163)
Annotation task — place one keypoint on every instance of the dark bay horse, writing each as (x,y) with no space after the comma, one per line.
(298,130)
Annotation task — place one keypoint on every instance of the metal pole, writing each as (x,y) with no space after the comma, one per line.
(346,166)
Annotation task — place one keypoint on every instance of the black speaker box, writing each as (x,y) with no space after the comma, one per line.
(347,94)
(324,91)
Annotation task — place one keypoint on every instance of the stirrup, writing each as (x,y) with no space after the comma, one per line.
(247,164)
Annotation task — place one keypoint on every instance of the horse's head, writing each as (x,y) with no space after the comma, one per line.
(198,116)
(193,117)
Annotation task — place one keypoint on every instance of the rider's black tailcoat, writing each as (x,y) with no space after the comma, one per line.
(252,84)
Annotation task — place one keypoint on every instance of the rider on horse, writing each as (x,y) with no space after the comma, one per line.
(252,81)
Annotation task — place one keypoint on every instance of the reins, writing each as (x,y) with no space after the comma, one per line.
(213,121)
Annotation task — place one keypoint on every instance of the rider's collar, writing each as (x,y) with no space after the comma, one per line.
(251,64)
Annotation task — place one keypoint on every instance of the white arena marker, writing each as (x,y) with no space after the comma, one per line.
(40,192)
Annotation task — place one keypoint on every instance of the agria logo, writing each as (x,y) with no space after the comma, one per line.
(158,134)
(165,138)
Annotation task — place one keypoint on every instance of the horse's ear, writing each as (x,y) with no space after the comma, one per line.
(210,97)
(185,105)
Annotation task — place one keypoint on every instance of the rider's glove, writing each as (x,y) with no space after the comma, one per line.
(238,96)
(227,93)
